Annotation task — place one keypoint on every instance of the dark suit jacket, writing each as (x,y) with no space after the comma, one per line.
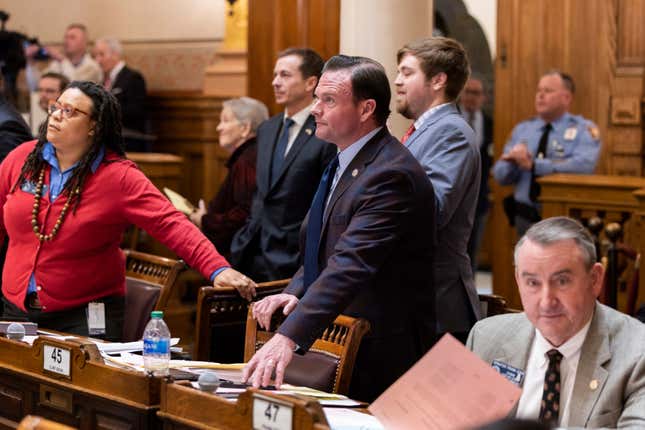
(13,129)
(278,208)
(376,254)
(129,88)
(487,163)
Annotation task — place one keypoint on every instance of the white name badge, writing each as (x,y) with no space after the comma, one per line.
(56,360)
(271,415)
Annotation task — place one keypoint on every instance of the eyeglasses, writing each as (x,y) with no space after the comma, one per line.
(68,111)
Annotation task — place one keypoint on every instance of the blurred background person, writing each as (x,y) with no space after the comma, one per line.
(50,86)
(74,62)
(129,88)
(66,200)
(228,210)
(472,99)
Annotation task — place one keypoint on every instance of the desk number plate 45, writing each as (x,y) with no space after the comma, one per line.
(57,360)
(269,414)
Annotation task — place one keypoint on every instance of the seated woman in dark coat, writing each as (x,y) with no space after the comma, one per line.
(228,210)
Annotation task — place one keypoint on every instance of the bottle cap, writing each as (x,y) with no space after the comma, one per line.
(156,314)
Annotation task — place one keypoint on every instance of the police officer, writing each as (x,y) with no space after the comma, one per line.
(554,141)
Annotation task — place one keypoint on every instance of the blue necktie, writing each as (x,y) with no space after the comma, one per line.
(280,149)
(314,226)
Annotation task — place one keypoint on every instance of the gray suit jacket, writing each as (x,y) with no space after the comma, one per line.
(612,354)
(446,147)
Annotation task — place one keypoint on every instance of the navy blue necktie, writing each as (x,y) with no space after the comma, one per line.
(314,226)
(281,149)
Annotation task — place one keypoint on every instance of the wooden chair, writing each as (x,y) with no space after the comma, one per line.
(33,422)
(329,363)
(221,321)
(493,304)
(149,282)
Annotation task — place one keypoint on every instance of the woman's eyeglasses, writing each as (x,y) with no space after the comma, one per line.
(68,111)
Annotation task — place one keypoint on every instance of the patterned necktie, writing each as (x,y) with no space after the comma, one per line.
(107,83)
(314,225)
(408,133)
(534,191)
(281,149)
(550,407)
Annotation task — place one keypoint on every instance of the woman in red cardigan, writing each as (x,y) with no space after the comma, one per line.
(66,200)
(228,210)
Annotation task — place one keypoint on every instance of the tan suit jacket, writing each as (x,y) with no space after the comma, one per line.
(613,355)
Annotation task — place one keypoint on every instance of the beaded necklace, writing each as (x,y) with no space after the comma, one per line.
(34,213)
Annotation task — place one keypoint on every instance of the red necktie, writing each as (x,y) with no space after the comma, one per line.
(107,83)
(408,133)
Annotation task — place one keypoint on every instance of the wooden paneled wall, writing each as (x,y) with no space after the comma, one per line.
(602,45)
(275,25)
(185,124)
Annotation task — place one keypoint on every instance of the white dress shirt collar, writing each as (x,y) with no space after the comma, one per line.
(424,117)
(115,71)
(299,119)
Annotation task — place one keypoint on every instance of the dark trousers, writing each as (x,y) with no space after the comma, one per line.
(73,321)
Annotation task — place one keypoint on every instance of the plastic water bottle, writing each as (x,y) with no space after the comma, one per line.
(156,346)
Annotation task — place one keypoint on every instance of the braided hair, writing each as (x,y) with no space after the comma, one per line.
(106,112)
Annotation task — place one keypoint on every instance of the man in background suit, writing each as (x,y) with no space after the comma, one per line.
(291,160)
(580,363)
(74,62)
(368,254)
(471,102)
(432,73)
(13,132)
(129,88)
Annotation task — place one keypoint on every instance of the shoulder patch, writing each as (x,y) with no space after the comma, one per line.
(593,131)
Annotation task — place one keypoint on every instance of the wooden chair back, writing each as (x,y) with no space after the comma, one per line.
(329,363)
(33,422)
(493,304)
(149,283)
(221,321)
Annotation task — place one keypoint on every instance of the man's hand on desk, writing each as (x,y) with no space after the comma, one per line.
(232,278)
(276,354)
(264,309)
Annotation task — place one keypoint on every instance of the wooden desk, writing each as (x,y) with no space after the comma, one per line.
(95,396)
(185,408)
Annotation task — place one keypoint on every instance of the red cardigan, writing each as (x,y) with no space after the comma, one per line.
(84,262)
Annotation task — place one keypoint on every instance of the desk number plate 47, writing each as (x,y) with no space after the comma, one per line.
(57,360)
(269,414)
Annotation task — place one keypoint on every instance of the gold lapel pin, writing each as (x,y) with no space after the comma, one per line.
(593,384)
(308,131)
(354,173)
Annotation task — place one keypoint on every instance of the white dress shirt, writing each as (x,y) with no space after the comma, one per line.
(531,399)
(299,120)
(425,115)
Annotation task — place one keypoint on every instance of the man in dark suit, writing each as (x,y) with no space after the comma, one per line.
(471,101)
(291,160)
(13,132)
(367,240)
(129,88)
(13,129)
(432,73)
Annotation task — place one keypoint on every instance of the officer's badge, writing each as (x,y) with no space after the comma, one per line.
(570,133)
(593,131)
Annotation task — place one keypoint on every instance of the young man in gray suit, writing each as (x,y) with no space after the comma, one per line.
(432,73)
(579,363)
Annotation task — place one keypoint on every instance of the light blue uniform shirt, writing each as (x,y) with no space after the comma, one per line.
(573,147)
